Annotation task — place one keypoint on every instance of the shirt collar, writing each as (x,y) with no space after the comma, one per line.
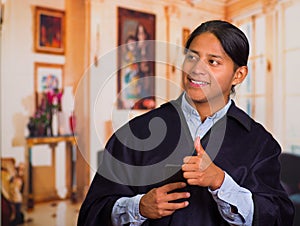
(233,112)
(189,110)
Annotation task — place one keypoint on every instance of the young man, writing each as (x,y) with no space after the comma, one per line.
(198,160)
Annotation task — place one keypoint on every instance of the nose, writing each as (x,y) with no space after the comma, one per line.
(199,68)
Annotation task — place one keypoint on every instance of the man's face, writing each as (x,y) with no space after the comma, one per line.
(208,70)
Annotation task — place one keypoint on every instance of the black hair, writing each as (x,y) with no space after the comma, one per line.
(232,39)
(144,30)
(130,37)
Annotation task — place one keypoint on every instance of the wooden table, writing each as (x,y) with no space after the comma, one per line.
(70,141)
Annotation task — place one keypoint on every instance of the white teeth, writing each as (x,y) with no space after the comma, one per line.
(199,82)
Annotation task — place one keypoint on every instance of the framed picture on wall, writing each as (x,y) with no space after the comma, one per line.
(47,78)
(136,60)
(49,30)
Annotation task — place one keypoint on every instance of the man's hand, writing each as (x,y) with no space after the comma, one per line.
(156,203)
(200,170)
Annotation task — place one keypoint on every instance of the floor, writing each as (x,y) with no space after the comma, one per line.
(55,213)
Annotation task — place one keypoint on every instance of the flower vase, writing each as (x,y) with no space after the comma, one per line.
(72,121)
(54,124)
(31,127)
(40,130)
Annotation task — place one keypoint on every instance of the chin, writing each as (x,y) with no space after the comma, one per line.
(199,100)
(196,96)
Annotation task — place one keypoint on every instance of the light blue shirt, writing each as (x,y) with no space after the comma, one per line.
(126,210)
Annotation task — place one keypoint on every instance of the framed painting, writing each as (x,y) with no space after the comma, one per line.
(47,78)
(49,30)
(136,60)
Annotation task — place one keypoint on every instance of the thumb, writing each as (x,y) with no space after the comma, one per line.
(198,147)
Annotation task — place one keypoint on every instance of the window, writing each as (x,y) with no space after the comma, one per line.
(271,93)
(290,55)
(252,93)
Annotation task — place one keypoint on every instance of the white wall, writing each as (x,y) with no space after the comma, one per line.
(17,72)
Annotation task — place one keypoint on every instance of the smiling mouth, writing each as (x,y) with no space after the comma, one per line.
(198,83)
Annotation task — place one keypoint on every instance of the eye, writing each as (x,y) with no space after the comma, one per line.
(213,62)
(191,57)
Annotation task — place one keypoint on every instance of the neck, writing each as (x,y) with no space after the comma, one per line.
(207,108)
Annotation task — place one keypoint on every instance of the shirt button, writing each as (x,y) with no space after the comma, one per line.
(136,217)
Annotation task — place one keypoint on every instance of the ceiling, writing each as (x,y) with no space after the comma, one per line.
(199,3)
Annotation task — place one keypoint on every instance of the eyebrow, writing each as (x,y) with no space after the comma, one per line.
(193,51)
(211,55)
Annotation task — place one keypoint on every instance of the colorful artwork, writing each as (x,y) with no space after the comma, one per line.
(48,79)
(136,63)
(50,30)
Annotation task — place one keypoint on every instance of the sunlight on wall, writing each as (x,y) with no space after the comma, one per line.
(291,54)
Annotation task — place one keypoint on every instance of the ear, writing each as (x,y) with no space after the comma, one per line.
(239,75)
